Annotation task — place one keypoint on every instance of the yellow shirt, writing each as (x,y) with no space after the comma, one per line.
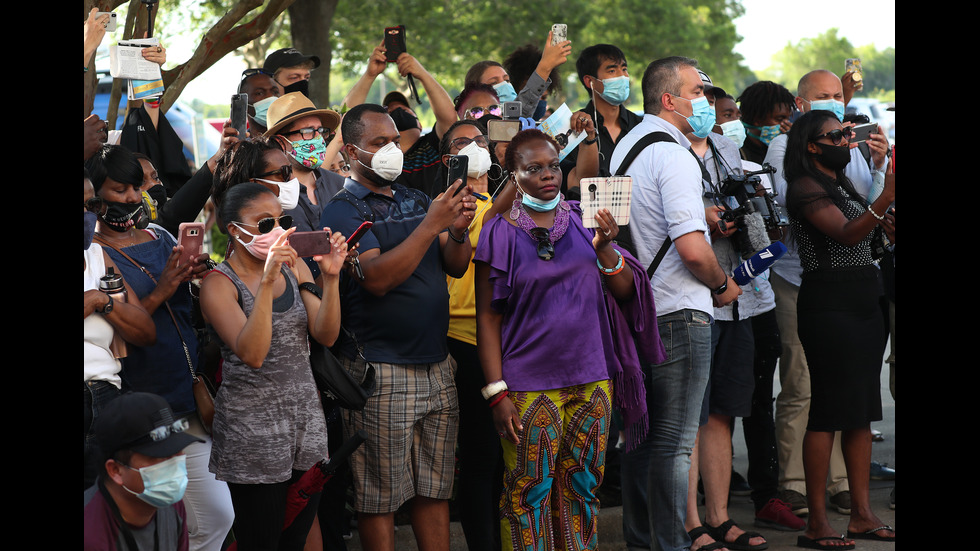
(462,292)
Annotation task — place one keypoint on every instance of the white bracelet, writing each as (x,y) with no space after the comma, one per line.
(875,214)
(493,389)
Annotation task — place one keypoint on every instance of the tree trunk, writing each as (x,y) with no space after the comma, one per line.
(310,21)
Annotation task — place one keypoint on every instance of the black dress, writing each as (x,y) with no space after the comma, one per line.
(839,315)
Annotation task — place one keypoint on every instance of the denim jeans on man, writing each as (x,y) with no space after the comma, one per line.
(655,496)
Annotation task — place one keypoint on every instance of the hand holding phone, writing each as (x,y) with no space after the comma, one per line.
(111,24)
(239,107)
(861,132)
(190,235)
(559,33)
(358,234)
(310,243)
(458,166)
(394,43)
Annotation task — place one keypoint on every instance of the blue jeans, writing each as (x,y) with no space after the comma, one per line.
(655,474)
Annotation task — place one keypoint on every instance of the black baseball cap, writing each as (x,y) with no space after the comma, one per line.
(287,57)
(141,422)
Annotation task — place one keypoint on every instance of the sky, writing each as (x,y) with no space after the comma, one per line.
(766,28)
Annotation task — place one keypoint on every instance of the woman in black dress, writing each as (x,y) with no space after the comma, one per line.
(841,324)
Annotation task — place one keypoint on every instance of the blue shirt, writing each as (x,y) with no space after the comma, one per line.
(409,323)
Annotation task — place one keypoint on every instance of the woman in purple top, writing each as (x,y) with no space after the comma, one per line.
(544,336)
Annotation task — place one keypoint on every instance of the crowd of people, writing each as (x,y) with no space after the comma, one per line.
(515,345)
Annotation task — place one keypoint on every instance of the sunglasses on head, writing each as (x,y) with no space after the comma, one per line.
(477,112)
(249,72)
(266,224)
(546,249)
(285,172)
(837,135)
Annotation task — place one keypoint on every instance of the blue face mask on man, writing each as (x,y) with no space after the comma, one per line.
(837,107)
(702,119)
(615,90)
(505,91)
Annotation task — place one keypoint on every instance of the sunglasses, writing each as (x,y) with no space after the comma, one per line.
(546,249)
(266,224)
(308,133)
(477,112)
(285,172)
(836,136)
(164,432)
(249,72)
(460,143)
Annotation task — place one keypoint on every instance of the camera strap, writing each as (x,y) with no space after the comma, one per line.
(639,146)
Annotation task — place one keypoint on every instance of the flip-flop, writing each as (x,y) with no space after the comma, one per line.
(872,534)
(741,543)
(808,543)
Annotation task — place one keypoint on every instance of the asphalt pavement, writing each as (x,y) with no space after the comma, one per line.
(740,508)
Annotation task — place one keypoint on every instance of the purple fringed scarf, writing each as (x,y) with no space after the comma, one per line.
(636,339)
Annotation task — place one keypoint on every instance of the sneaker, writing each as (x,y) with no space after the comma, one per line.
(777,514)
(881,471)
(739,486)
(842,502)
(796,501)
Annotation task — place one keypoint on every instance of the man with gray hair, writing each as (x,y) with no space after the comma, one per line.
(667,219)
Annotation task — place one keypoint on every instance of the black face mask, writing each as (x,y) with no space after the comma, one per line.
(834,157)
(121,216)
(403,119)
(298,86)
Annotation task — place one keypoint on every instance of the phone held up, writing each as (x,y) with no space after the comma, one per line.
(853,65)
(394,43)
(111,25)
(503,130)
(310,243)
(559,33)
(861,132)
(190,235)
(458,166)
(239,107)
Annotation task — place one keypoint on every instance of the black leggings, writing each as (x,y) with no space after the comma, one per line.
(260,510)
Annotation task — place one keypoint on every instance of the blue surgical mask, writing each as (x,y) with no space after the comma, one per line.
(536,204)
(702,119)
(616,90)
(735,131)
(766,133)
(262,109)
(505,91)
(163,483)
(829,105)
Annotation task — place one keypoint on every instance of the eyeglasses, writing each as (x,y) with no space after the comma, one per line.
(546,249)
(460,143)
(477,112)
(837,135)
(266,224)
(285,172)
(308,133)
(164,432)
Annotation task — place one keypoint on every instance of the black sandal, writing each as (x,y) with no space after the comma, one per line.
(701,531)
(741,543)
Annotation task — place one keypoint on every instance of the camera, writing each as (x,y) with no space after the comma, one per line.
(757,216)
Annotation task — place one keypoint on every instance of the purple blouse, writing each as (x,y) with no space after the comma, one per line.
(555,331)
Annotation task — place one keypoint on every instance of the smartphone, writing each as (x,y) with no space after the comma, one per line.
(190,235)
(458,165)
(559,33)
(861,132)
(853,65)
(358,233)
(511,110)
(502,130)
(310,243)
(239,107)
(394,43)
(111,25)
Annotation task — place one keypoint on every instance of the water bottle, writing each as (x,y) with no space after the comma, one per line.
(112,284)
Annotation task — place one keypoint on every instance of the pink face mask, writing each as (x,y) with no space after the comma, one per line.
(260,244)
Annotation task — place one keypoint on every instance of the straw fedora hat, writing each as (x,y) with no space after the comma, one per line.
(295,105)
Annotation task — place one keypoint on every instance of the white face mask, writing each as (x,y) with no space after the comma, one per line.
(288,192)
(386,162)
(479,160)
(734,130)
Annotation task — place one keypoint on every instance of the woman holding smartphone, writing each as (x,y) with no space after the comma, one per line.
(269,427)
(548,350)
(841,325)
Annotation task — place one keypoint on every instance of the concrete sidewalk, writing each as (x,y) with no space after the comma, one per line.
(740,508)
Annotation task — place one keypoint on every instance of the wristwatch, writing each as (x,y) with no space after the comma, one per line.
(492,389)
(108,306)
(724,287)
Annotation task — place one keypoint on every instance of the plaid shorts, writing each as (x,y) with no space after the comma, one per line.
(411,422)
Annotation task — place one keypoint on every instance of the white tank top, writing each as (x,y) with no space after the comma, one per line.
(100,365)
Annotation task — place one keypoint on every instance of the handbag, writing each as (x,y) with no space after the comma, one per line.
(202,388)
(330,376)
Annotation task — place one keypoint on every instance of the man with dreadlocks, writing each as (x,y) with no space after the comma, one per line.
(766,109)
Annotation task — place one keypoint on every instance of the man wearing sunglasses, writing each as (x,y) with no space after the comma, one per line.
(818,89)
(136,503)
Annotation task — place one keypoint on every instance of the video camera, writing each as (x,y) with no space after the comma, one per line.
(757,217)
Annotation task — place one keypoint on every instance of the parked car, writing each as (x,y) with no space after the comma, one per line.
(200,139)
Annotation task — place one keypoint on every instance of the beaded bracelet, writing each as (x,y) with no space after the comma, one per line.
(615,270)
(588,141)
(875,214)
(498,398)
